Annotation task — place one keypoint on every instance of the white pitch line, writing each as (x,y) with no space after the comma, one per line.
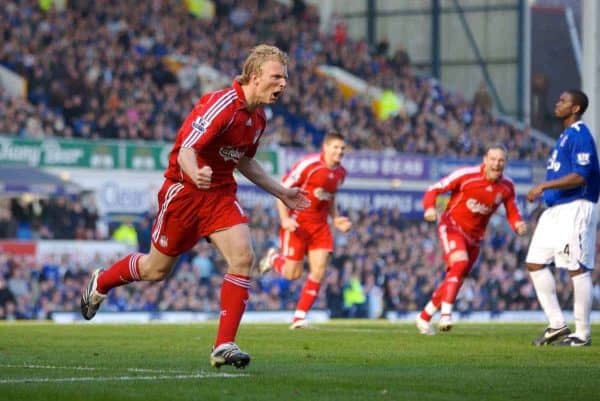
(121,378)
(91,368)
(48,367)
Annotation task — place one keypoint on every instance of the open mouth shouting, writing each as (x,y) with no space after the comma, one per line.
(275,95)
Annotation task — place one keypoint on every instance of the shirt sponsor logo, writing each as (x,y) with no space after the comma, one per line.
(229,153)
(583,159)
(477,207)
(553,164)
(563,140)
(323,195)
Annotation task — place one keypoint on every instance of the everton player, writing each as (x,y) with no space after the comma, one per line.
(566,230)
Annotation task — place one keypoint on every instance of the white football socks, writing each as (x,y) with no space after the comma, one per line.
(446,308)
(430,308)
(545,287)
(582,304)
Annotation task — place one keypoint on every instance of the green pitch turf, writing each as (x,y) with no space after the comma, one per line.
(347,360)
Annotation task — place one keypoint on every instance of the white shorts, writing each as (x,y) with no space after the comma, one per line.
(566,234)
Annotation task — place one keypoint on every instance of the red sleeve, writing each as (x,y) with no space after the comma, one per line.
(299,172)
(208,119)
(512,210)
(449,183)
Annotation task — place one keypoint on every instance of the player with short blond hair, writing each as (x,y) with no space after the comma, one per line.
(198,198)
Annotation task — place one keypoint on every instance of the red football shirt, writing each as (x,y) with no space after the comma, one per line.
(473,199)
(319,181)
(221,130)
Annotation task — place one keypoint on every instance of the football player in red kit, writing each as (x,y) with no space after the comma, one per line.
(198,198)
(475,194)
(307,232)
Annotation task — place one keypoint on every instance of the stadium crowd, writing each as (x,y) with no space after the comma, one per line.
(386,263)
(50,218)
(98,70)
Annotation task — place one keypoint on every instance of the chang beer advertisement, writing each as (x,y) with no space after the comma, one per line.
(57,153)
(104,156)
(147,157)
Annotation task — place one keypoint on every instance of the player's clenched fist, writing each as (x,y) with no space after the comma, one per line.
(521,228)
(430,214)
(202,177)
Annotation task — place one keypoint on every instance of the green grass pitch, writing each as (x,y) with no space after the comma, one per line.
(346,360)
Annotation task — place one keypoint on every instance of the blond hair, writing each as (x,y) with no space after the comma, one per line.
(257,57)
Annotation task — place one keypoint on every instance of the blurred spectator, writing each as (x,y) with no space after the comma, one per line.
(143,230)
(6,295)
(126,233)
(482,99)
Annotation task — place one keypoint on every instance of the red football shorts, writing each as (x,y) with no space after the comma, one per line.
(186,215)
(307,237)
(453,239)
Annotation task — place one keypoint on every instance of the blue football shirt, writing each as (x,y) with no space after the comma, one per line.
(574,152)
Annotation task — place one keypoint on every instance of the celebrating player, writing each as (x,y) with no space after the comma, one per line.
(475,194)
(198,197)
(566,231)
(307,232)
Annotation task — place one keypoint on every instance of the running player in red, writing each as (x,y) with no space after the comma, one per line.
(475,194)
(307,232)
(198,198)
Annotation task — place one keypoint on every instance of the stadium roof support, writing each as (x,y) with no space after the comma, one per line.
(591,64)
(478,57)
